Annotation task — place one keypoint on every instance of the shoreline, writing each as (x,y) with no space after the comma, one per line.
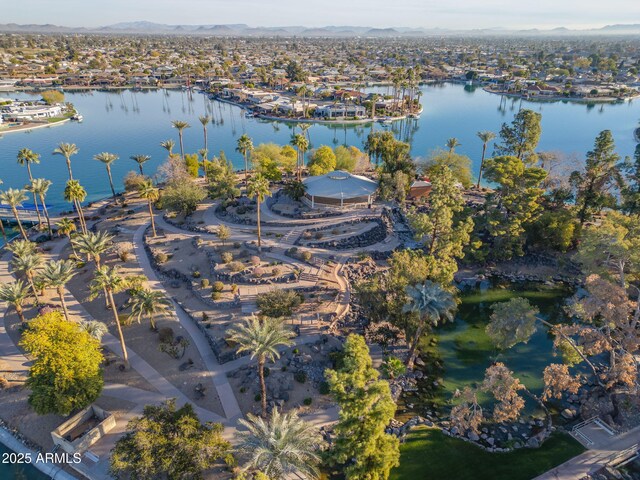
(31,127)
(556,98)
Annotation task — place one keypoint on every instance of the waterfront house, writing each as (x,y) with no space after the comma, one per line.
(340,110)
(22,111)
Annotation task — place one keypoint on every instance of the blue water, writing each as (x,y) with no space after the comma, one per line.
(18,472)
(131,123)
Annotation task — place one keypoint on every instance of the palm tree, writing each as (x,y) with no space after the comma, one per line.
(140,159)
(66,227)
(109,281)
(15,293)
(258,188)
(149,303)
(261,338)
(245,146)
(108,158)
(301,144)
(28,265)
(75,193)
(151,194)
(40,187)
(168,146)
(27,157)
(22,248)
(452,143)
(280,447)
(204,120)
(180,125)
(14,199)
(56,274)
(94,328)
(486,136)
(433,305)
(67,150)
(93,245)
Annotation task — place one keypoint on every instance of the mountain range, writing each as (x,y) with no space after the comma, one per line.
(242,30)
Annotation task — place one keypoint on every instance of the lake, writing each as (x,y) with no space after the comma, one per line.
(128,123)
(18,472)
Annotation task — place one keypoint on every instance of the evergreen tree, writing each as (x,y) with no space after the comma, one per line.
(521,138)
(631,192)
(361,448)
(221,179)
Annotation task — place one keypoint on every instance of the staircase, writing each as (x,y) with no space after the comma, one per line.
(248,304)
(291,236)
(308,277)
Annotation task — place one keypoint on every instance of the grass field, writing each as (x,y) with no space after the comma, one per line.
(428,454)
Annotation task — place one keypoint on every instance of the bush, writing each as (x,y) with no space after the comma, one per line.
(393,367)
(306,256)
(318,235)
(215,296)
(226,257)
(300,376)
(276,271)
(324,388)
(204,283)
(218,286)
(237,244)
(196,274)
(306,235)
(258,272)
(279,303)
(236,266)
(307,401)
(257,398)
(161,258)
(267,372)
(124,255)
(234,288)
(255,260)
(166,335)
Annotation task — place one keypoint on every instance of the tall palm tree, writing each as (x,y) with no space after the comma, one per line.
(26,157)
(140,159)
(67,150)
(261,338)
(180,125)
(168,146)
(301,144)
(486,136)
(109,281)
(151,194)
(149,303)
(452,143)
(432,304)
(245,146)
(29,266)
(14,198)
(75,193)
(16,294)
(93,245)
(204,120)
(107,159)
(40,187)
(56,274)
(66,227)
(282,447)
(258,188)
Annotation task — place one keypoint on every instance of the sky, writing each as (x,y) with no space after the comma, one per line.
(450,14)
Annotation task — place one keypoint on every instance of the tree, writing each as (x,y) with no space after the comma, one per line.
(394,186)
(28,265)
(168,442)
(612,248)
(323,160)
(452,143)
(295,73)
(140,160)
(204,120)
(108,280)
(168,145)
(56,274)
(221,179)
(21,248)
(182,196)
(94,328)
(67,150)
(460,165)
(26,157)
(261,338)
(281,446)
(51,97)
(631,191)
(192,165)
(93,245)
(300,142)
(266,159)
(15,293)
(107,159)
(76,194)
(66,374)
(151,194)
(245,147)
(485,136)
(294,189)
(40,187)
(521,138)
(14,198)
(593,187)
(361,449)
(513,205)
(148,303)
(430,305)
(258,188)
(224,233)
(66,226)
(279,303)
(180,126)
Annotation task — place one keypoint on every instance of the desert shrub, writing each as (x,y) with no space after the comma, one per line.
(335,231)
(279,303)
(318,235)
(215,296)
(255,260)
(234,288)
(257,397)
(307,401)
(218,286)
(226,257)
(306,235)
(132,181)
(276,271)
(300,376)
(237,244)
(293,250)
(196,274)
(166,335)
(393,367)
(258,272)
(306,256)
(323,388)
(236,266)
(4,383)
(161,257)
(204,283)
(124,254)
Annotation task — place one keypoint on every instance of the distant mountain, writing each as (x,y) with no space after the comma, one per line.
(240,29)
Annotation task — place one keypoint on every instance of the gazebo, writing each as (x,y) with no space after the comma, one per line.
(338,189)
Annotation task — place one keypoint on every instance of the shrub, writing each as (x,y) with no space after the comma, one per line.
(166,335)
(257,398)
(306,234)
(161,257)
(306,256)
(258,272)
(226,257)
(276,271)
(218,286)
(4,383)
(132,181)
(237,244)
(243,389)
(204,283)
(196,274)
(215,296)
(236,266)
(300,376)
(234,288)
(267,371)
(318,235)
(124,255)
(393,367)
(307,401)
(255,260)
(324,388)
(279,303)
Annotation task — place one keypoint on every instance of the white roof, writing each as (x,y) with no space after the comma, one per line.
(339,184)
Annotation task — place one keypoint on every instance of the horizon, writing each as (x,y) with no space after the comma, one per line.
(464,15)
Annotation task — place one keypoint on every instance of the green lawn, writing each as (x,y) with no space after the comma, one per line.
(428,454)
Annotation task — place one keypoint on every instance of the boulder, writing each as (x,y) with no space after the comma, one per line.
(473,436)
